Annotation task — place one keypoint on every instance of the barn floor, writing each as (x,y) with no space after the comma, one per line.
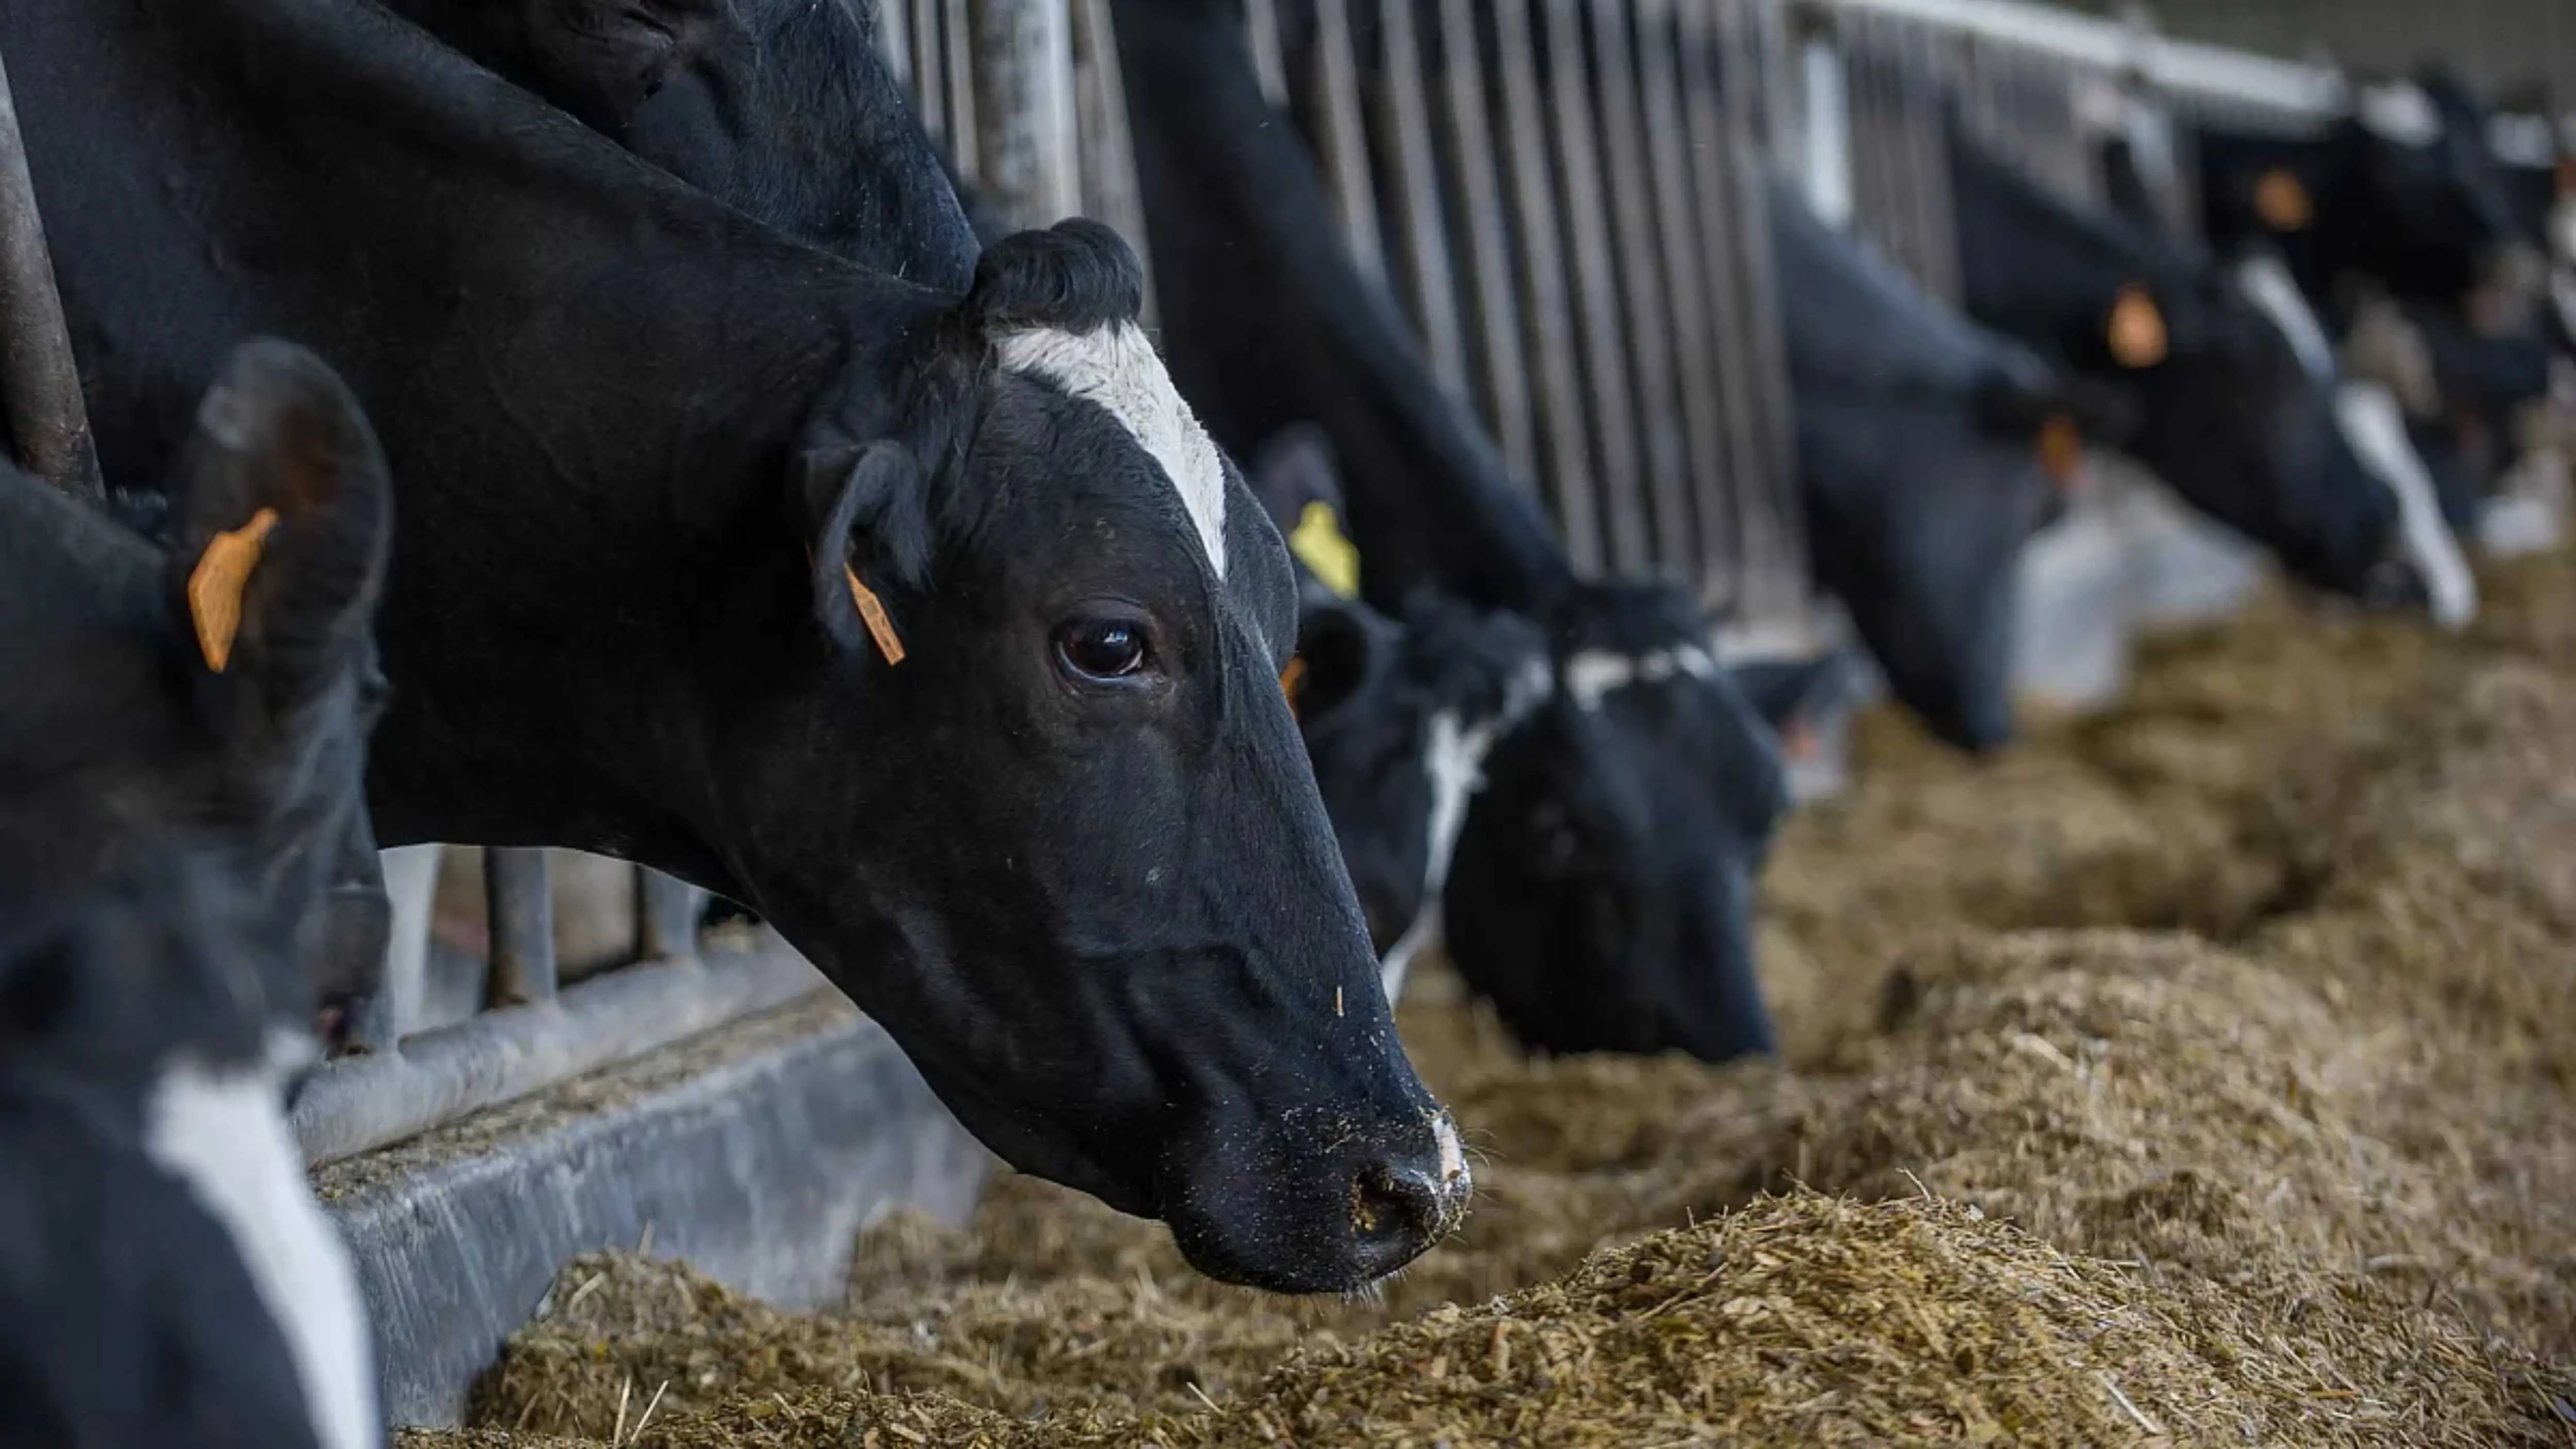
(2203,1073)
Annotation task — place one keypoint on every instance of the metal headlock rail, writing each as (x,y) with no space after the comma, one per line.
(1567,198)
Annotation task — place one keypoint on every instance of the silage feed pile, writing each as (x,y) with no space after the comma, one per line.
(2200,1074)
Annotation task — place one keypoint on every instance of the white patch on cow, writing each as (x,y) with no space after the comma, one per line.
(223,1133)
(1595,674)
(2266,282)
(2399,112)
(1118,368)
(2523,140)
(2377,432)
(1453,1154)
(1453,760)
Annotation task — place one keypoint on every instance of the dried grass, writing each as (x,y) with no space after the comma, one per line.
(2201,1074)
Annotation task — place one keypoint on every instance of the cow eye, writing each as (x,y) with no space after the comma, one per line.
(1102,650)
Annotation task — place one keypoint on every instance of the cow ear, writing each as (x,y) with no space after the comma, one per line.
(603,59)
(1292,469)
(285,520)
(1791,695)
(867,505)
(1336,649)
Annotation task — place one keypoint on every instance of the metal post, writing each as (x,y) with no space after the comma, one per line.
(39,379)
(666,911)
(522,913)
(1024,115)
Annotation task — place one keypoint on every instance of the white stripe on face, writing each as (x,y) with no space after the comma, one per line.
(1453,759)
(2400,112)
(1594,674)
(2377,432)
(1117,368)
(224,1134)
(2268,285)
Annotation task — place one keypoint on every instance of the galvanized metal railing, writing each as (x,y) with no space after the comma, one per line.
(1566,198)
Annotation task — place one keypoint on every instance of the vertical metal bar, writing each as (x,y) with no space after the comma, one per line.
(40,391)
(1664,455)
(1721,520)
(1346,159)
(520,890)
(1774,534)
(1406,117)
(1505,393)
(965,138)
(1543,289)
(1614,428)
(894,44)
(1261,29)
(1023,109)
(1672,52)
(930,71)
(1927,162)
(1110,190)
(667,912)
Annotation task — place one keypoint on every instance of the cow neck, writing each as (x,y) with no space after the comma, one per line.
(588,379)
(1430,500)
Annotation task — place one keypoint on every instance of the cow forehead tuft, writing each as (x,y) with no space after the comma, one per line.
(1117,368)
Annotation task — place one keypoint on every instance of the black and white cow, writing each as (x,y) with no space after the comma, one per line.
(1228,194)
(170,835)
(2400,191)
(166,1277)
(2238,402)
(121,728)
(934,628)
(1929,451)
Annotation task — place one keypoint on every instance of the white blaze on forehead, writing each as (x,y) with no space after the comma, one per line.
(2376,430)
(2268,285)
(1592,675)
(1117,368)
(224,1134)
(1453,759)
(2400,112)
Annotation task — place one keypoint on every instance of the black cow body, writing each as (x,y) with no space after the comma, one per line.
(656,462)
(1920,466)
(2236,393)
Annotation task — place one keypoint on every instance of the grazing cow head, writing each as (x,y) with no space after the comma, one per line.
(1929,451)
(1087,880)
(2420,192)
(782,107)
(227,684)
(165,1275)
(1602,892)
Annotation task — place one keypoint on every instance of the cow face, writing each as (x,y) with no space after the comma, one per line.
(1088,882)
(782,107)
(2421,190)
(1602,893)
(229,685)
(168,1278)
(1399,719)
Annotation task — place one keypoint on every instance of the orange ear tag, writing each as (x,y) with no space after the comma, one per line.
(2282,201)
(2137,329)
(2061,451)
(216,584)
(872,612)
(1292,680)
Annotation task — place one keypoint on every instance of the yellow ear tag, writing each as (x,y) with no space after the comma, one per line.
(1292,680)
(872,612)
(2137,329)
(215,585)
(1319,545)
(2282,200)
(2061,451)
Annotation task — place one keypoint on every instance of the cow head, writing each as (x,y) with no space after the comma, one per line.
(1086,879)
(1398,718)
(2416,190)
(782,107)
(227,685)
(1602,892)
(168,1278)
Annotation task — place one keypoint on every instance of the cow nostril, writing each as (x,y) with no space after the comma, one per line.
(1404,1202)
